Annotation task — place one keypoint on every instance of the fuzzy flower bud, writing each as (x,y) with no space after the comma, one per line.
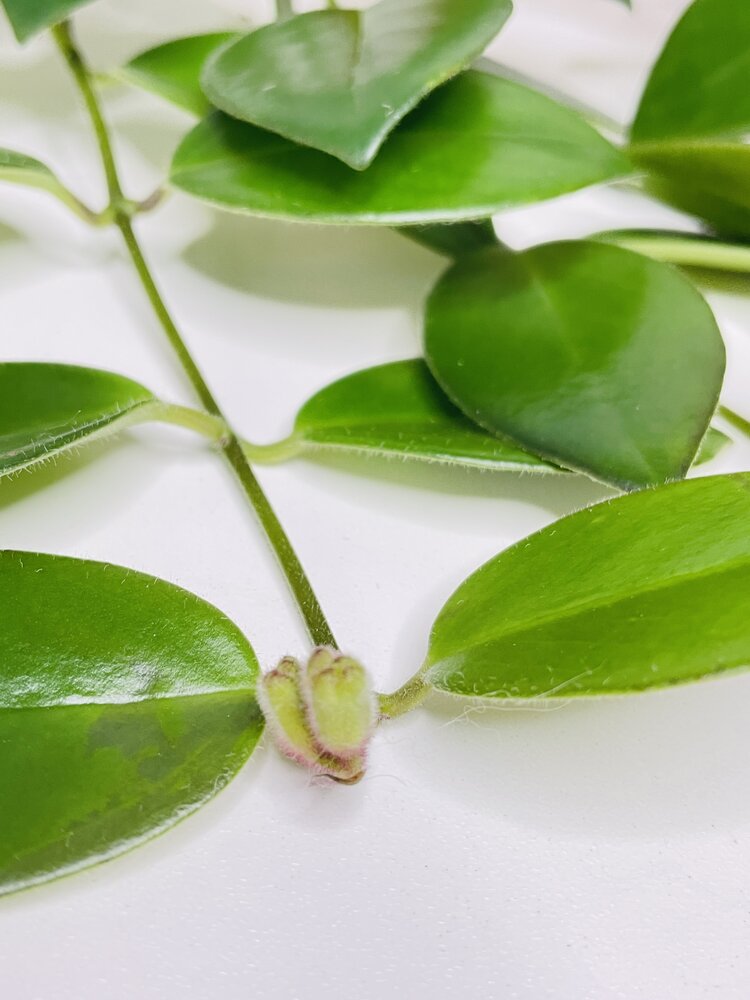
(323,715)
(340,702)
(280,698)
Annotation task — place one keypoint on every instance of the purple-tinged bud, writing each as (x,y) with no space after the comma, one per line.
(323,715)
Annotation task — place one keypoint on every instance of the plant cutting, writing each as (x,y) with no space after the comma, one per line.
(133,702)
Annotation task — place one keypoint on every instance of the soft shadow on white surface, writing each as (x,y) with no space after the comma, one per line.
(365,267)
(556,494)
(661,764)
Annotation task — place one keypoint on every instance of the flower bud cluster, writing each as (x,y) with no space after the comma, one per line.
(321,715)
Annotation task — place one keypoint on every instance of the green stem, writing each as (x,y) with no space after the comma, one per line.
(213,427)
(232,449)
(735,420)
(408,697)
(684,249)
(284,10)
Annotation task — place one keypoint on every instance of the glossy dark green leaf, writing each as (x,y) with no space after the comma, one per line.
(172,70)
(476,145)
(46,409)
(644,591)
(592,356)
(453,239)
(125,703)
(27,17)
(341,80)
(398,409)
(695,114)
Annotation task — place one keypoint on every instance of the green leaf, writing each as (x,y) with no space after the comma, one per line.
(708,180)
(700,85)
(27,17)
(18,168)
(453,239)
(592,356)
(398,409)
(695,113)
(476,145)
(644,591)
(172,70)
(712,444)
(46,409)
(125,704)
(341,80)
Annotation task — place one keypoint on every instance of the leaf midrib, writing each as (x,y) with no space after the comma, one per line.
(583,607)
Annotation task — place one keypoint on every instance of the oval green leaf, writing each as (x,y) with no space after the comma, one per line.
(695,114)
(27,17)
(341,80)
(476,145)
(644,591)
(592,356)
(398,410)
(172,70)
(46,409)
(125,704)
(700,85)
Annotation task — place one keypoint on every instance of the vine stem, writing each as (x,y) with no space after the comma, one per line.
(231,447)
(408,697)
(735,420)
(685,249)
(284,10)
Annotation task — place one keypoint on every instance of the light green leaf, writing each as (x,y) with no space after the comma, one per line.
(592,356)
(398,409)
(644,591)
(699,87)
(476,145)
(17,168)
(695,115)
(341,80)
(125,704)
(27,17)
(172,70)
(46,409)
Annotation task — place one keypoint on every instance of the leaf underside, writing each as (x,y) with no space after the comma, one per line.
(46,409)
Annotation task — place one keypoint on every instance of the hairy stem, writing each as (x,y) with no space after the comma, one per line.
(231,448)
(408,697)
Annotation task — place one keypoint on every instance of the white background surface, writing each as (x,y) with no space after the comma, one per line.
(586,852)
